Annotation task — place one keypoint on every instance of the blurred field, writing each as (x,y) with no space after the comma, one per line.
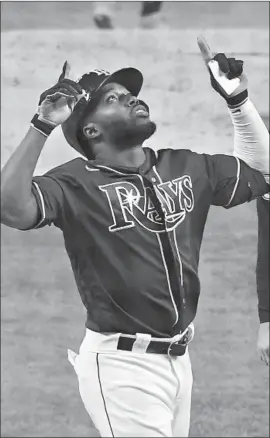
(41,312)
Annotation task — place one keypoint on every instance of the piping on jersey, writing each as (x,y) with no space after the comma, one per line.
(178,255)
(236,183)
(115,171)
(174,235)
(168,278)
(42,204)
(91,169)
(159,241)
(155,152)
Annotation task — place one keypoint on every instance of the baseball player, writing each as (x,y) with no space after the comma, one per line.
(103,14)
(262,277)
(132,220)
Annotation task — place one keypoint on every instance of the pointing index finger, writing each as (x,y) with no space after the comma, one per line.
(206,52)
(65,71)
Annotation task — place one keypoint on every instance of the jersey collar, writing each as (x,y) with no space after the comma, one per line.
(149,162)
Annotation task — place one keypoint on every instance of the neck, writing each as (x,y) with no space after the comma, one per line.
(133,157)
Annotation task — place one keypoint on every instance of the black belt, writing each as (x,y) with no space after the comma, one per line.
(157,347)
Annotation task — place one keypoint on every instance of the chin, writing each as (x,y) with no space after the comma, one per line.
(134,134)
(152,128)
(145,130)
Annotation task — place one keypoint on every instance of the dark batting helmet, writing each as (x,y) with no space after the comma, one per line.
(92,82)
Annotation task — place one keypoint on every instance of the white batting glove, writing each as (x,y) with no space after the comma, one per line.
(226,74)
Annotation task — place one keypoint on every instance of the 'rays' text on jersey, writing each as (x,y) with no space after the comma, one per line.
(157,208)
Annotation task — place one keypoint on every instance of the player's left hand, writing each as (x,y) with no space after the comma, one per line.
(227,77)
(263,342)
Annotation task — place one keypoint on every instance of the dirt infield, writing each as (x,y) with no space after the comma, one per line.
(41,314)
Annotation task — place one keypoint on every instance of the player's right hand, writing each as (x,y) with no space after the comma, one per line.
(57,103)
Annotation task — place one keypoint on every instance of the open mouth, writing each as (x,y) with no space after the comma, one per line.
(141,111)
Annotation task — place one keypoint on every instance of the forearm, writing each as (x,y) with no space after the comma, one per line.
(262,268)
(251,137)
(16,179)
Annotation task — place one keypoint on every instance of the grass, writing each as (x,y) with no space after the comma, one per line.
(41,312)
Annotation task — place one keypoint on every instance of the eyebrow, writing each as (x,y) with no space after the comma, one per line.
(104,93)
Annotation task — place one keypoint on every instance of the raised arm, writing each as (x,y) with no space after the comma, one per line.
(19,207)
(251,137)
(251,146)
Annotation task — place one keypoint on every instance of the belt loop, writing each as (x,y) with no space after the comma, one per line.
(141,343)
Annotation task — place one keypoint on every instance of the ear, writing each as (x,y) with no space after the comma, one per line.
(91,131)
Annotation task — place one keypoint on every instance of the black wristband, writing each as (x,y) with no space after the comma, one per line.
(238,100)
(43,127)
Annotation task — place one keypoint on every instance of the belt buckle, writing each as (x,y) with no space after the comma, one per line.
(175,340)
(181,339)
(186,339)
(188,335)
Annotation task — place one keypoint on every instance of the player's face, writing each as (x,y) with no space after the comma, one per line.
(121,118)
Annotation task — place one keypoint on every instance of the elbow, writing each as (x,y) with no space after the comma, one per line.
(8,204)
(13,215)
(5,212)
(10,216)
(18,205)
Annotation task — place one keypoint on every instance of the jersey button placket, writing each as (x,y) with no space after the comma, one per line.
(180,280)
(171,243)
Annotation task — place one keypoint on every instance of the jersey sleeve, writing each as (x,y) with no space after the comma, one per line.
(262,267)
(50,199)
(233,182)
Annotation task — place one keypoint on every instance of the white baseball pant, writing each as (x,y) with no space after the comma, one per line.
(133,393)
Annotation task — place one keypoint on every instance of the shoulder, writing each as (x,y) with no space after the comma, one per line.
(180,154)
(182,159)
(173,153)
(67,176)
(70,169)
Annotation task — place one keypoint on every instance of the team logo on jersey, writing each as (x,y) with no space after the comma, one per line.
(157,212)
